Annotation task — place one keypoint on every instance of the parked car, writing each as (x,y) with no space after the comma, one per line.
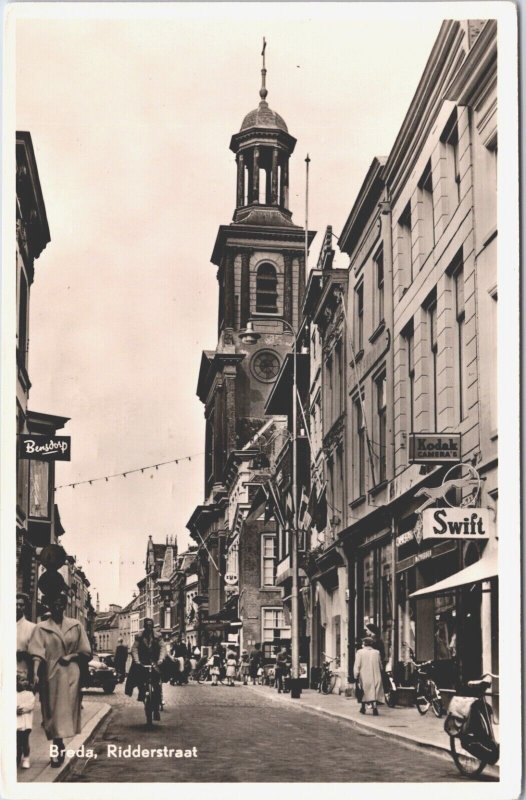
(106,657)
(101,676)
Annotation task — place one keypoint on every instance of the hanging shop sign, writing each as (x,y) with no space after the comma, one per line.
(460,488)
(45,448)
(457,523)
(432,448)
(230,579)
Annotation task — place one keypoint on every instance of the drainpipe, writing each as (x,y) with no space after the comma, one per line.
(341,551)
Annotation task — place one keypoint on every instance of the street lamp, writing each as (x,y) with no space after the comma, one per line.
(250,336)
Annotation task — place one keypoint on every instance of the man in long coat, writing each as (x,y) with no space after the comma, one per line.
(368,672)
(57,646)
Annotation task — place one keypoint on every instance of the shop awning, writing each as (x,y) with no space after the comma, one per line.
(482,570)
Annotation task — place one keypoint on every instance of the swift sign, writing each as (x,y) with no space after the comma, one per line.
(457,523)
(432,448)
(45,448)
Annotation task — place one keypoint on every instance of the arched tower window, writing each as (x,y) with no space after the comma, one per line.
(266,289)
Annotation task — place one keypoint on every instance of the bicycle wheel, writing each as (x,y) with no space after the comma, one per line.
(436,702)
(390,698)
(467,765)
(324,684)
(202,675)
(148,709)
(422,699)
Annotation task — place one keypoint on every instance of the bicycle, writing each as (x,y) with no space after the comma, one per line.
(152,695)
(427,692)
(328,677)
(472,741)
(203,675)
(390,689)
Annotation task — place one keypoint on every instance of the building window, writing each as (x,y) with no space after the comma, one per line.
(272,624)
(358,305)
(379,271)
(460,317)
(433,351)
(494,359)
(409,337)
(425,186)
(268,561)
(266,289)
(405,245)
(449,140)
(359,449)
(381,412)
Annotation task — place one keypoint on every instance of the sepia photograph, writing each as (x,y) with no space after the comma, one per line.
(253,322)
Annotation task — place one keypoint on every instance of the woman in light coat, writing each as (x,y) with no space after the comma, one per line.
(58,646)
(368,671)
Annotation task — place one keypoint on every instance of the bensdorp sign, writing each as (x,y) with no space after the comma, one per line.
(432,448)
(44,448)
(457,523)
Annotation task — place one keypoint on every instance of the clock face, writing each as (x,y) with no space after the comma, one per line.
(265,365)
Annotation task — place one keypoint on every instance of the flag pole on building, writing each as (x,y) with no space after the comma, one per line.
(307,162)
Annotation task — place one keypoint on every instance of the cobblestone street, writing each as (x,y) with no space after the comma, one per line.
(241,735)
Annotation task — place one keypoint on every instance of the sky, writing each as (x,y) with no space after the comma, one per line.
(131,120)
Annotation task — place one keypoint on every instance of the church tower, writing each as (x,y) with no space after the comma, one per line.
(260,259)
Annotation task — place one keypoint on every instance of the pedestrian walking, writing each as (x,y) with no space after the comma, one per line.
(231,667)
(24,666)
(281,669)
(244,668)
(215,663)
(255,663)
(121,657)
(373,631)
(25,703)
(368,672)
(59,647)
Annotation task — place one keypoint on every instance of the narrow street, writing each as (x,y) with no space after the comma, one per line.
(241,735)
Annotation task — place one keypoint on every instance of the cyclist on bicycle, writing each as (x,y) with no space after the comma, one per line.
(150,649)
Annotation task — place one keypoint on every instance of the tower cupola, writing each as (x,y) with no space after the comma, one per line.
(263,147)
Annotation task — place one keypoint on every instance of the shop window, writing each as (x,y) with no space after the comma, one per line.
(336,625)
(266,289)
(39,489)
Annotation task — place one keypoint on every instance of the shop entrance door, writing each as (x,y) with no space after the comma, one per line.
(471,633)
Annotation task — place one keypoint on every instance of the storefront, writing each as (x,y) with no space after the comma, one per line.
(374,582)
(428,625)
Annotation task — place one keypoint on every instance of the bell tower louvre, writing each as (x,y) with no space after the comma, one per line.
(260,259)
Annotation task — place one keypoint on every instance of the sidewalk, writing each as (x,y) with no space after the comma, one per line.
(40,770)
(404,724)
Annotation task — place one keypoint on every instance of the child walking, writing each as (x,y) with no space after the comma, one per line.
(245,667)
(215,665)
(25,703)
(231,666)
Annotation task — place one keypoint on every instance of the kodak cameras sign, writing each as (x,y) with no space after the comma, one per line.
(431,448)
(457,523)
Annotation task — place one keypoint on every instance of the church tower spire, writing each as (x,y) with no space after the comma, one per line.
(260,260)
(263,147)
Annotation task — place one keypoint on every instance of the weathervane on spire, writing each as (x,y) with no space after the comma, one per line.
(263,91)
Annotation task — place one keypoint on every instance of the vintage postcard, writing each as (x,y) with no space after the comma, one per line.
(260,357)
